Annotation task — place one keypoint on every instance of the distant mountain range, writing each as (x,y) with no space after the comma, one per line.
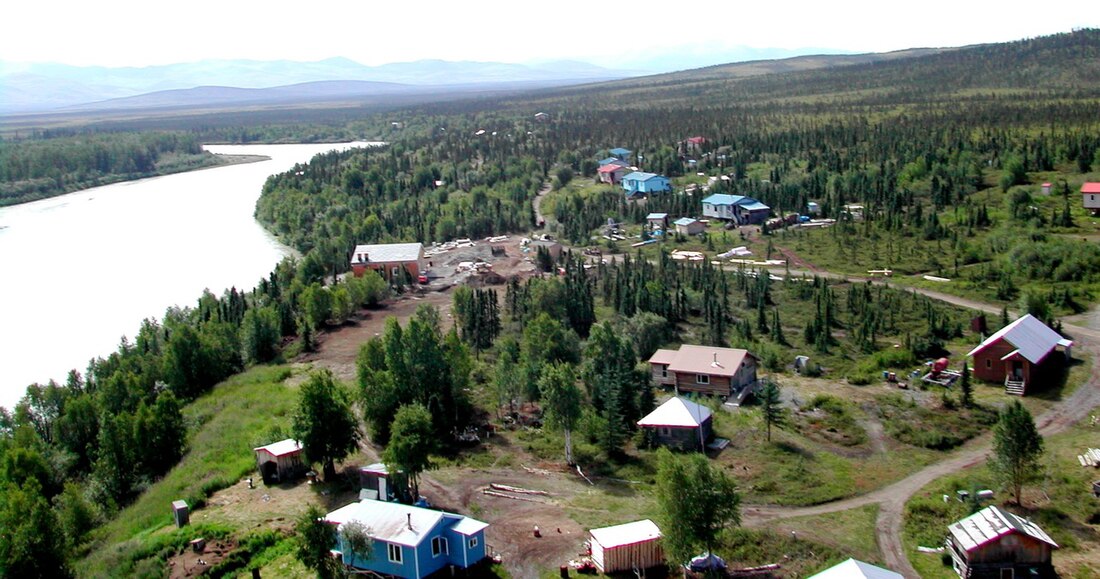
(26,88)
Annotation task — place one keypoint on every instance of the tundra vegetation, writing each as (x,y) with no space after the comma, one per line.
(943,151)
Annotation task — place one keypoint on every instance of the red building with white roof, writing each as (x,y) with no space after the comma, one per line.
(1019,354)
(1091,195)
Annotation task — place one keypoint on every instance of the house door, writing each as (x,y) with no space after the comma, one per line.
(1017,371)
(270,471)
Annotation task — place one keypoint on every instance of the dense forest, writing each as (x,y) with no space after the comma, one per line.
(939,148)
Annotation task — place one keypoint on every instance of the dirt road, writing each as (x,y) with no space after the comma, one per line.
(537,203)
(892,499)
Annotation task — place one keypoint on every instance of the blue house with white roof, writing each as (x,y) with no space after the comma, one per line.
(738,208)
(408,541)
(639,183)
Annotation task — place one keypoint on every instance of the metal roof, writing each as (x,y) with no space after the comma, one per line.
(708,360)
(467,526)
(723,199)
(990,524)
(388,252)
(677,412)
(685,221)
(1090,188)
(397,523)
(1032,339)
(619,151)
(626,534)
(754,205)
(612,167)
(281,448)
(639,176)
(656,216)
(853,569)
(663,357)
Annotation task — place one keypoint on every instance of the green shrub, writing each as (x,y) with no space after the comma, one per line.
(860,379)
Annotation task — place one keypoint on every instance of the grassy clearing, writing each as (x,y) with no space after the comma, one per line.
(1061,503)
(851,532)
(937,429)
(225,425)
(794,469)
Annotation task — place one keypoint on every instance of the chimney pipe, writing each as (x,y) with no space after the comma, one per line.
(410,518)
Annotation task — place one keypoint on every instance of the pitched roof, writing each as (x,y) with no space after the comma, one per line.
(389,252)
(685,221)
(397,523)
(639,176)
(990,524)
(612,160)
(626,534)
(612,167)
(281,448)
(853,569)
(723,199)
(708,360)
(1090,188)
(466,525)
(677,412)
(1032,339)
(619,151)
(656,216)
(663,357)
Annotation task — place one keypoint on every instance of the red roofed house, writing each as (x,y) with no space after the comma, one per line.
(705,369)
(612,173)
(694,143)
(680,424)
(279,461)
(1019,354)
(1091,193)
(996,544)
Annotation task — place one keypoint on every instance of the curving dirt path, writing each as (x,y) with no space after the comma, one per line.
(537,203)
(891,499)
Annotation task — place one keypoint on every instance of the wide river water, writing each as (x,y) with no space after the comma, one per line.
(80,271)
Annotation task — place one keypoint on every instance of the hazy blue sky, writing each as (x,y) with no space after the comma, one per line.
(139,32)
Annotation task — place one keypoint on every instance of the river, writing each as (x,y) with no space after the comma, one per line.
(82,270)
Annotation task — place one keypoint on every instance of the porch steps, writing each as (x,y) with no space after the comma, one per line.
(1014,388)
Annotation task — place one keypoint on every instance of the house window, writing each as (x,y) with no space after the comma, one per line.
(988,363)
(473,542)
(664,371)
(394,552)
(702,379)
(666,431)
(439,546)
(396,271)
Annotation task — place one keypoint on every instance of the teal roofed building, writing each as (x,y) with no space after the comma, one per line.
(639,183)
(737,208)
(621,153)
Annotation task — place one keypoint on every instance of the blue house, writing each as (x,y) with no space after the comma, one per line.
(621,153)
(738,208)
(638,183)
(409,542)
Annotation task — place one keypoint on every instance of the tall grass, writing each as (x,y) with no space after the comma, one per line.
(226,424)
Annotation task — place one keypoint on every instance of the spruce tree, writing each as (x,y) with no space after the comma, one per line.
(1017,447)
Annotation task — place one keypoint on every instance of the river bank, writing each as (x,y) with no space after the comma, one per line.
(10,196)
(98,261)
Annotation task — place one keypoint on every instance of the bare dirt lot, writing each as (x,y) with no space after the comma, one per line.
(337,348)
